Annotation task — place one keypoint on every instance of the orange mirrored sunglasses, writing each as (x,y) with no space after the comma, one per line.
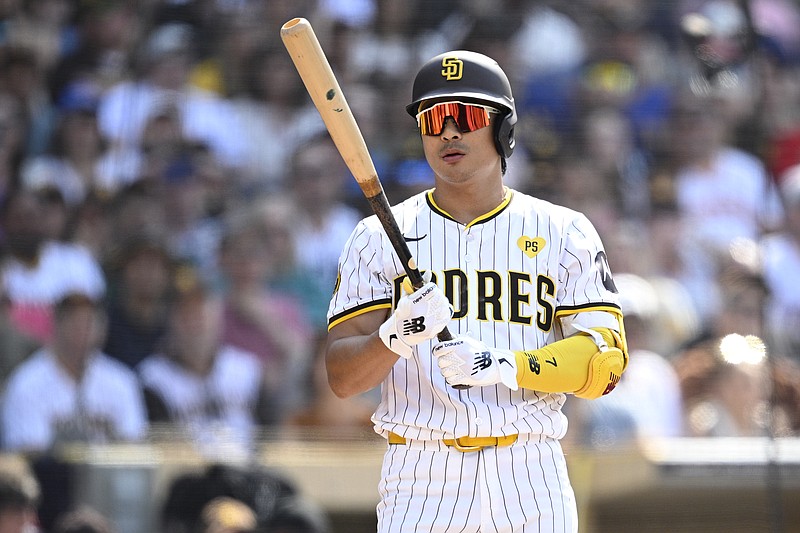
(468,117)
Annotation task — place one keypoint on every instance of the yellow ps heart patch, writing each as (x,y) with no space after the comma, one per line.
(530,246)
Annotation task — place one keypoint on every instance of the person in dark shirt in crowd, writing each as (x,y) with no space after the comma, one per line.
(139,276)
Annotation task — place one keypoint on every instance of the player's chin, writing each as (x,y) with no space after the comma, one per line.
(453,169)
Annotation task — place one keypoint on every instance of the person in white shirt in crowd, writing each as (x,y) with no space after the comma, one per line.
(781,262)
(273,100)
(166,61)
(198,386)
(36,271)
(722,194)
(318,179)
(77,161)
(69,391)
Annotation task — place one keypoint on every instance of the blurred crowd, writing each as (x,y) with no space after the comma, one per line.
(172,208)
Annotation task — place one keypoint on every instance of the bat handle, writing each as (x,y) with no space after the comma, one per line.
(417,282)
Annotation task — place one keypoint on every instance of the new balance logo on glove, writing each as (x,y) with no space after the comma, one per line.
(414,325)
(483,360)
(418,317)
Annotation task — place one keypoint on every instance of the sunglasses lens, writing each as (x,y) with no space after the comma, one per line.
(467,117)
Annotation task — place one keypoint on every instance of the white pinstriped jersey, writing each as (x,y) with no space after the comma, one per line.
(518,278)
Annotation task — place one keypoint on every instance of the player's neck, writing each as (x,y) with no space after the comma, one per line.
(466,202)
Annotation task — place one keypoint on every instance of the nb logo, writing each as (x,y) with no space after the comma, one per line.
(414,325)
(482,361)
(533,363)
(613,380)
(452,68)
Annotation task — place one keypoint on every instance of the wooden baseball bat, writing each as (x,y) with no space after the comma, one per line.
(303,46)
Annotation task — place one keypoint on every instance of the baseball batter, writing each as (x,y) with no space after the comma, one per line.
(525,289)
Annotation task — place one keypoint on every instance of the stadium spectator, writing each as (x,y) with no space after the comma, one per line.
(55,213)
(325,220)
(623,168)
(224,67)
(22,77)
(730,384)
(273,100)
(260,320)
(139,275)
(209,391)
(36,272)
(192,230)
(15,346)
(166,60)
(325,411)
(70,391)
(721,194)
(285,275)
(137,209)
(78,161)
(12,142)
(781,258)
(106,33)
(42,26)
(196,501)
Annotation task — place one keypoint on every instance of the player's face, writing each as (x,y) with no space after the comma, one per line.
(457,155)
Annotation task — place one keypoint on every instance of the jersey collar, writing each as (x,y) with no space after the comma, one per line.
(479,220)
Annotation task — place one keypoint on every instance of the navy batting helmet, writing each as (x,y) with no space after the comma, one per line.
(469,76)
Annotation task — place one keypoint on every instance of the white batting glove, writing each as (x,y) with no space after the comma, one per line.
(468,361)
(419,317)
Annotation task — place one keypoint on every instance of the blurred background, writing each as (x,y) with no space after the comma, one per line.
(172,211)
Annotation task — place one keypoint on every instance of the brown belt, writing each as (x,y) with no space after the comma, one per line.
(465,444)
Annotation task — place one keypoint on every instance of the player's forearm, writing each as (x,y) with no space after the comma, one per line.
(574,365)
(357,364)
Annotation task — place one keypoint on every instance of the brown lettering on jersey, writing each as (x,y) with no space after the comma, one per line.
(489,293)
(545,287)
(455,288)
(517,297)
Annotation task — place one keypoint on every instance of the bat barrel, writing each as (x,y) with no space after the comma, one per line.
(306,52)
(303,46)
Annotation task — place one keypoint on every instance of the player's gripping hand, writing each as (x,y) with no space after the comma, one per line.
(467,361)
(419,317)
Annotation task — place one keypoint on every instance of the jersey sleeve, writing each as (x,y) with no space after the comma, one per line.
(362,284)
(25,420)
(587,294)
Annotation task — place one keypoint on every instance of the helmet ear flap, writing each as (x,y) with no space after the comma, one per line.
(504,135)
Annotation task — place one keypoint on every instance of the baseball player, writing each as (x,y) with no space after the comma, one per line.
(473,423)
